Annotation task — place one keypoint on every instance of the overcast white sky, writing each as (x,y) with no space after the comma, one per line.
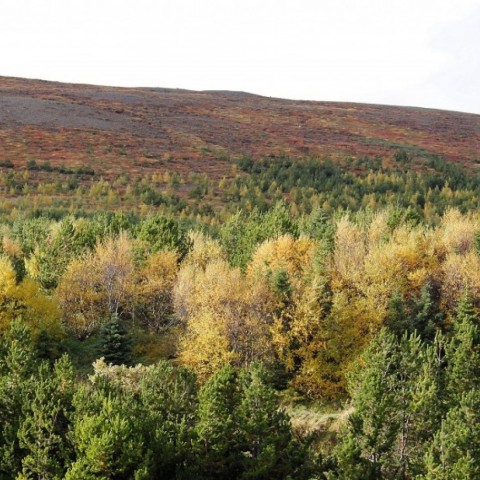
(402,52)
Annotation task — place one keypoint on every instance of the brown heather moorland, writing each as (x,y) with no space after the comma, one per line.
(140,130)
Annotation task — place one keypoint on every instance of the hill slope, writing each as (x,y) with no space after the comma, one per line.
(132,129)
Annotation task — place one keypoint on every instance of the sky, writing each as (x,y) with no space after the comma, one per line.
(397,52)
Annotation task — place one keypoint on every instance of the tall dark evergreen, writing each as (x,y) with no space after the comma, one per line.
(426,318)
(373,424)
(116,344)
(397,318)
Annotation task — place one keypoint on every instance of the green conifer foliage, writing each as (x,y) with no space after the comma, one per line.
(217,428)
(462,355)
(373,424)
(107,436)
(115,343)
(43,434)
(397,318)
(453,454)
(427,317)
(169,399)
(163,233)
(17,365)
(269,450)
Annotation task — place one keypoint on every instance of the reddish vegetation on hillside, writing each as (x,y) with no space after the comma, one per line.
(115,130)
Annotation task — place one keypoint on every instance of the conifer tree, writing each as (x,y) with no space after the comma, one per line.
(397,318)
(217,429)
(453,454)
(426,405)
(107,436)
(269,450)
(163,233)
(427,317)
(43,434)
(169,397)
(17,365)
(374,424)
(115,343)
(462,355)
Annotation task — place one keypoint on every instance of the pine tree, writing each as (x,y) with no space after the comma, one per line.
(426,405)
(46,347)
(269,450)
(374,423)
(351,465)
(462,355)
(43,432)
(453,454)
(320,227)
(107,436)
(168,396)
(217,429)
(427,317)
(17,365)
(397,318)
(115,343)
(163,233)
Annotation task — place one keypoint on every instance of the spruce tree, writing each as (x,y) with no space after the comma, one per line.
(116,346)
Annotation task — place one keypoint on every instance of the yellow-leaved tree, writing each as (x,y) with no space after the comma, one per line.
(286,266)
(26,301)
(97,286)
(151,292)
(224,315)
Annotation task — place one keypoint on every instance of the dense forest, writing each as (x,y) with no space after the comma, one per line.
(153,332)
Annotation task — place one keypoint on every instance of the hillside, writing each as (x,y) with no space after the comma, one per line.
(133,129)
(217,285)
(84,147)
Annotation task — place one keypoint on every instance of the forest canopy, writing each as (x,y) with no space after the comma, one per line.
(309,285)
